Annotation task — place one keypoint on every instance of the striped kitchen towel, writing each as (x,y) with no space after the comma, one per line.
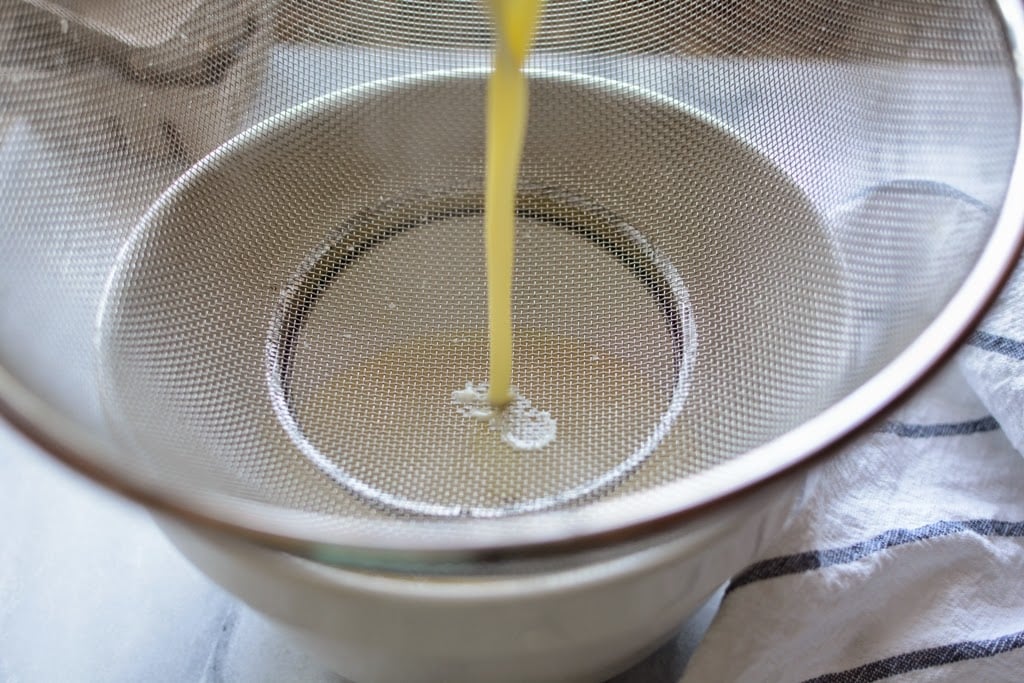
(908,562)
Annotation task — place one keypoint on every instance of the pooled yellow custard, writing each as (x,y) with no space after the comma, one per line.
(507,108)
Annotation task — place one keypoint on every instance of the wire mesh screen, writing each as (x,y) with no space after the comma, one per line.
(242,241)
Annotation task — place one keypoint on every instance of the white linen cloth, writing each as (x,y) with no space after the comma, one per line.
(907,563)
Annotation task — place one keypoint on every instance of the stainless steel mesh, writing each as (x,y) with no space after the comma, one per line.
(733,220)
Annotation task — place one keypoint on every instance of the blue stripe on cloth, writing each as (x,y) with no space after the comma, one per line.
(927,431)
(924,659)
(818,559)
(997,344)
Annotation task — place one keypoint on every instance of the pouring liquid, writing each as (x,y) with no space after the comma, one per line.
(507,109)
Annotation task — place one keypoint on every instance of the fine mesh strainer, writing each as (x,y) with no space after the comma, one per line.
(243,262)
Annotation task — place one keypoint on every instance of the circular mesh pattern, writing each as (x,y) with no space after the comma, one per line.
(371,410)
(243,250)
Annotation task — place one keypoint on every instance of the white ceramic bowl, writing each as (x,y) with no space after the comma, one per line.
(580,624)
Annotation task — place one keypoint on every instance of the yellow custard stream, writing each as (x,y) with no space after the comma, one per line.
(507,107)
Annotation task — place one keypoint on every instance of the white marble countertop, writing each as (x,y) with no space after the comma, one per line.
(90,590)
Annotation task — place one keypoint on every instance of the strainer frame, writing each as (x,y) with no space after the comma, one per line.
(667,507)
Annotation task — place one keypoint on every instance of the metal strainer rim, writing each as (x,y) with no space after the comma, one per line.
(664,507)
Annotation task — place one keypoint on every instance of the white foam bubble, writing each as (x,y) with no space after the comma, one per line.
(520,424)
